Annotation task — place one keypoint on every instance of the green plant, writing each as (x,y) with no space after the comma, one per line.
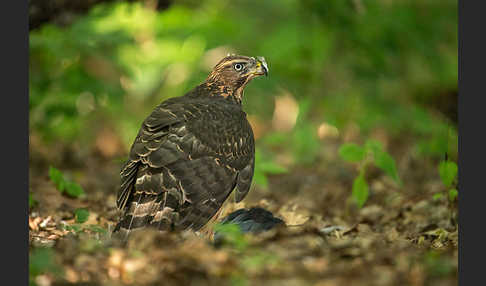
(32,202)
(436,265)
(63,185)
(80,217)
(304,141)
(371,153)
(250,257)
(42,261)
(448,175)
(263,166)
(233,236)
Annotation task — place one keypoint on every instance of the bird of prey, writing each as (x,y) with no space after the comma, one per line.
(190,153)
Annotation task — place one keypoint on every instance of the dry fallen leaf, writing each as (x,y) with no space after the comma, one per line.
(292,216)
(34,223)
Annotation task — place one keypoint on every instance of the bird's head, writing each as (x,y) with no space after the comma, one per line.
(233,73)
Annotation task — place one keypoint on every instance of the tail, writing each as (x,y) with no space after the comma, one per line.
(146,210)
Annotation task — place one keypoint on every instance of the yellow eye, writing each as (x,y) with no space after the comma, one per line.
(238,67)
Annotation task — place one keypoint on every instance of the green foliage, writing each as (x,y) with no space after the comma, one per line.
(233,235)
(32,202)
(448,172)
(258,259)
(436,264)
(250,258)
(373,146)
(386,162)
(63,185)
(452,194)
(373,65)
(371,153)
(305,144)
(81,215)
(347,63)
(76,228)
(263,166)
(57,178)
(81,228)
(42,261)
(448,175)
(73,189)
(97,229)
(360,190)
(352,152)
(437,196)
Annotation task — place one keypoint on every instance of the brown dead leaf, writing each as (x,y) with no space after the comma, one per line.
(34,223)
(293,216)
(317,265)
(71,275)
(45,222)
(116,258)
(92,219)
(134,264)
(392,235)
(53,237)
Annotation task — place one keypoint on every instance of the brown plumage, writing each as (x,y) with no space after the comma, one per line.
(190,153)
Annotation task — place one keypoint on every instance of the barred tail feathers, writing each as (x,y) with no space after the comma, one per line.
(147,210)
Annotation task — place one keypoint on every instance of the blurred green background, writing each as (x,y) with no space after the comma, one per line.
(340,71)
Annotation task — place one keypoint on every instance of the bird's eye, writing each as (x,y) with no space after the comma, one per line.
(238,67)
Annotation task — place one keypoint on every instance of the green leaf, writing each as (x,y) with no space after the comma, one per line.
(447,172)
(74,189)
(32,202)
(258,259)
(265,166)
(232,235)
(81,215)
(98,229)
(453,194)
(271,168)
(275,138)
(352,152)
(42,260)
(437,196)
(260,179)
(373,146)
(360,190)
(74,227)
(305,143)
(57,178)
(386,163)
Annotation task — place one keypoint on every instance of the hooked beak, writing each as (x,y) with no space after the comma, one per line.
(261,67)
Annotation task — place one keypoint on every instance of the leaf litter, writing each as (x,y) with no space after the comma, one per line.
(399,237)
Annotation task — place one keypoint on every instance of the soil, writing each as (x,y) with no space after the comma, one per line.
(402,236)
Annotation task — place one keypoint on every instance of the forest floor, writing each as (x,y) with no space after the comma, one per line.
(402,236)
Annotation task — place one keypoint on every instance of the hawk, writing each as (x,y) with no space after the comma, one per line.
(190,153)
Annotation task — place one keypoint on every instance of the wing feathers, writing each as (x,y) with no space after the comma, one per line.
(182,168)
